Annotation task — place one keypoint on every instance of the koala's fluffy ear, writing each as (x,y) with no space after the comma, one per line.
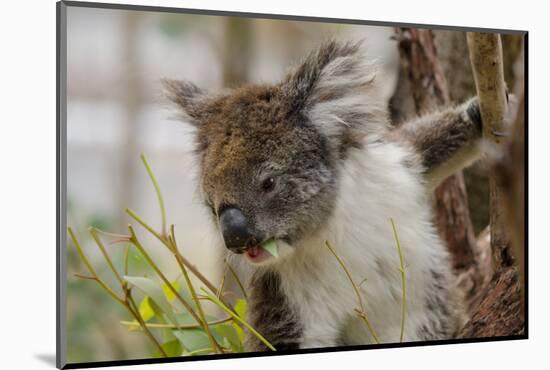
(332,87)
(190,99)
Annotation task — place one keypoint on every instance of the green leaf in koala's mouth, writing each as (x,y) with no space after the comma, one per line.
(271,247)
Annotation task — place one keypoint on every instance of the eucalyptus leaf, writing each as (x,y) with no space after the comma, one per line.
(151,289)
(145,309)
(192,339)
(230,334)
(271,247)
(240,308)
(239,331)
(172,348)
(186,319)
(168,292)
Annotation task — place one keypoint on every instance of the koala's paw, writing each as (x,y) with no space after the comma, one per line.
(474,114)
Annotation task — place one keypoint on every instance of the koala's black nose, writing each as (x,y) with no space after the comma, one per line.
(235,229)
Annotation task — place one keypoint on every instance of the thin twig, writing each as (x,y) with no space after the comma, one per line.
(181,327)
(220,304)
(157,190)
(137,244)
(93,232)
(125,302)
(113,235)
(402,271)
(85,277)
(134,310)
(236,277)
(198,317)
(222,283)
(361,310)
(180,258)
(126,257)
(91,269)
(172,240)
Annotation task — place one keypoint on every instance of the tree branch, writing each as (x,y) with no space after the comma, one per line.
(428,88)
(486,58)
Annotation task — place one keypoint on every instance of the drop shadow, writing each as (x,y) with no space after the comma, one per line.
(47,358)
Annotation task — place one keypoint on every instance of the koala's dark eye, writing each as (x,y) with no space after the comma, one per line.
(268,184)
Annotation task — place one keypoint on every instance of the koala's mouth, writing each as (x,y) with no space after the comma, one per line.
(256,254)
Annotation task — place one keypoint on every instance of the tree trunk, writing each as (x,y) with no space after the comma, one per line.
(500,311)
(428,88)
(510,177)
(451,49)
(486,56)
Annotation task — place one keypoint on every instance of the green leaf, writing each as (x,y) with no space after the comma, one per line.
(271,247)
(230,335)
(239,330)
(192,339)
(168,292)
(240,308)
(171,348)
(151,289)
(145,309)
(167,335)
(185,318)
(184,293)
(136,262)
(212,298)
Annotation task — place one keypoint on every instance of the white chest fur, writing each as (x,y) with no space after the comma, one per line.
(375,186)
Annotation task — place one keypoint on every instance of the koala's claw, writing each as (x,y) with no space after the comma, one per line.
(500,133)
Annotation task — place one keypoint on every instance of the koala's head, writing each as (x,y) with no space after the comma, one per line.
(270,155)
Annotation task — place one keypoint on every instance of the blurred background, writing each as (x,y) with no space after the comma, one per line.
(115,111)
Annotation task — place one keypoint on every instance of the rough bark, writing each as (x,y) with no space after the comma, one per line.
(451,49)
(509,170)
(500,311)
(428,88)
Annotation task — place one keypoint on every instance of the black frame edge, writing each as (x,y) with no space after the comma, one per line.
(61,221)
(301,18)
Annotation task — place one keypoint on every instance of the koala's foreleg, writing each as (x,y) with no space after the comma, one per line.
(445,141)
(271,315)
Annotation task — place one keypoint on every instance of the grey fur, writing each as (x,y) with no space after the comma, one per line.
(271,314)
(443,136)
(442,303)
(300,132)
(328,88)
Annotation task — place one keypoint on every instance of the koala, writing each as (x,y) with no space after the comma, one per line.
(312,159)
